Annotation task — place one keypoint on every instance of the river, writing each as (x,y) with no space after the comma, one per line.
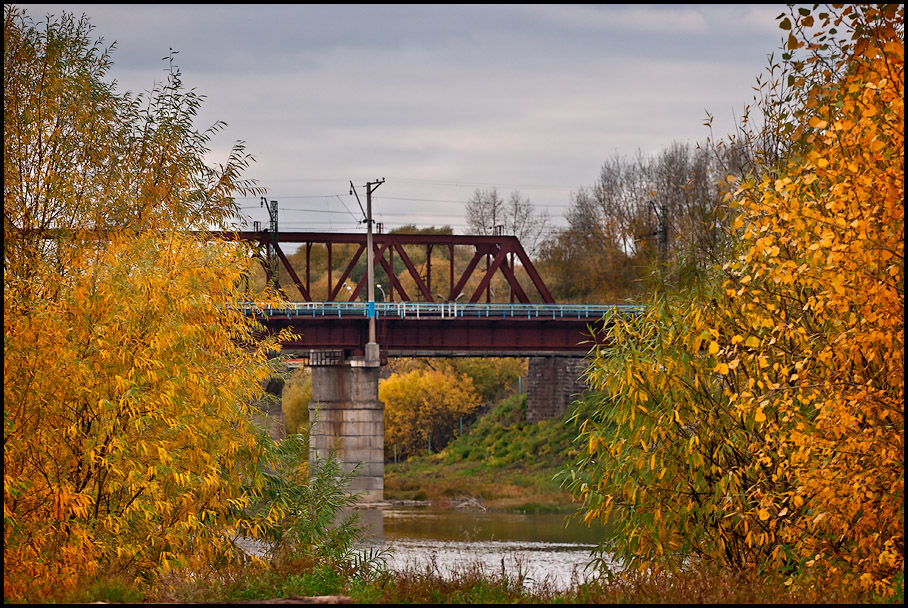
(538,547)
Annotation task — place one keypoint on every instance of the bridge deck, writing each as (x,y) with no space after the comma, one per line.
(417,310)
(442,329)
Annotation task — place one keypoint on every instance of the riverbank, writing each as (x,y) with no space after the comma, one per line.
(469,485)
(502,462)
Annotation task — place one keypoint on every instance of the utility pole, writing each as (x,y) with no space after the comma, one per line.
(662,231)
(663,237)
(272,246)
(372,356)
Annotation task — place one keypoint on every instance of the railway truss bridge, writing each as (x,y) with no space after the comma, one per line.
(441,296)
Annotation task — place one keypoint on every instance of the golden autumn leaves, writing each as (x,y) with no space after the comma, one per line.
(759,423)
(128,369)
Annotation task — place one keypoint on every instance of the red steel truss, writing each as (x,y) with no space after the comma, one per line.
(502,254)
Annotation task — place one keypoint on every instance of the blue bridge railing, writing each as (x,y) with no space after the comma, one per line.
(444,310)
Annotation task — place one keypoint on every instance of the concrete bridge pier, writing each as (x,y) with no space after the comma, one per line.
(271,416)
(345,414)
(553,384)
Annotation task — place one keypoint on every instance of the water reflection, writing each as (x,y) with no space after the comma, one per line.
(536,547)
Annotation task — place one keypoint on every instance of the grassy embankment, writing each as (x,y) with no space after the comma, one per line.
(501,462)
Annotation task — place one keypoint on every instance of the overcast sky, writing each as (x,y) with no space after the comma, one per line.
(441,99)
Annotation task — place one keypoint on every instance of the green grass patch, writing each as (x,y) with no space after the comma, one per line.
(502,460)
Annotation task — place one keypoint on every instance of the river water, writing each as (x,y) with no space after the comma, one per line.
(538,548)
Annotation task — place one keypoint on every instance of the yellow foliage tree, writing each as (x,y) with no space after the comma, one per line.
(820,289)
(127,365)
(422,406)
(295,400)
(760,422)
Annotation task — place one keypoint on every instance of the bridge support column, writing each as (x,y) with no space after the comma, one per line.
(553,383)
(270,414)
(347,416)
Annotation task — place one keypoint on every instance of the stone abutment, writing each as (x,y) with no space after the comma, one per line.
(553,384)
